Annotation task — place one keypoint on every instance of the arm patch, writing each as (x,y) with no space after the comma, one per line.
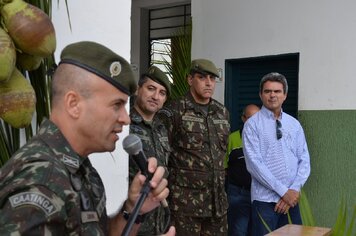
(35,199)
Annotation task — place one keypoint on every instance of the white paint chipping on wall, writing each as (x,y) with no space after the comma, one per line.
(109,24)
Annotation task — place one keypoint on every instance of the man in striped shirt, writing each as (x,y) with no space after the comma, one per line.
(277,158)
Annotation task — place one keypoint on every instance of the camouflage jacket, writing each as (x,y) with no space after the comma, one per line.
(153,135)
(154,144)
(198,140)
(47,189)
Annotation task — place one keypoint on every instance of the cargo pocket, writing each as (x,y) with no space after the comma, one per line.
(191,136)
(191,193)
(222,128)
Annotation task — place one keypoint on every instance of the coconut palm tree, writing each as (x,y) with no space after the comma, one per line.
(40,80)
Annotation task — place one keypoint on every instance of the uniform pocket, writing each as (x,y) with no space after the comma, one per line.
(190,179)
(222,129)
(192,132)
(191,193)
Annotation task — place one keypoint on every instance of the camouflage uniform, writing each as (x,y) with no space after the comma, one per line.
(46,188)
(154,144)
(198,141)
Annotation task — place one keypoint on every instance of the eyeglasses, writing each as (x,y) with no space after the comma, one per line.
(278,129)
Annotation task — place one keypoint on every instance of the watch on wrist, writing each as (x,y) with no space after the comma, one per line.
(139,218)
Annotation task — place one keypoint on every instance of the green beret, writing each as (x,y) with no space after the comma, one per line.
(204,66)
(103,62)
(160,77)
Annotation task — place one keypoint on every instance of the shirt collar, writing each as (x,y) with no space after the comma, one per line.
(266,112)
(53,137)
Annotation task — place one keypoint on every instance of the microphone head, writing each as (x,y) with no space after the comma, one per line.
(132,144)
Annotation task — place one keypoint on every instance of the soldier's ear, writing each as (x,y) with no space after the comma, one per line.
(72,103)
(190,79)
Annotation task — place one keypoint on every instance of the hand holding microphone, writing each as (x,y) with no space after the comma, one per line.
(133,146)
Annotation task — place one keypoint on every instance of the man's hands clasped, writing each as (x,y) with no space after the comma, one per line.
(289,199)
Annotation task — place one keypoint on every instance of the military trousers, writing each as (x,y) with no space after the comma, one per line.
(198,226)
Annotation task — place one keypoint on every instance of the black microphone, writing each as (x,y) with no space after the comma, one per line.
(133,146)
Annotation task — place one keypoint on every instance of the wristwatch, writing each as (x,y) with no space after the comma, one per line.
(139,218)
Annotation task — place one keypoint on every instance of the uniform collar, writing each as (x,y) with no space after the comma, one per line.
(53,137)
(135,116)
(191,104)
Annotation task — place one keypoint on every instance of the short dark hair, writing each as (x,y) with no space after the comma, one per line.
(276,77)
(192,72)
(142,80)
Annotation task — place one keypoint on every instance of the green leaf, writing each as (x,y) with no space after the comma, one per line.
(352,223)
(180,55)
(340,225)
(305,210)
(264,223)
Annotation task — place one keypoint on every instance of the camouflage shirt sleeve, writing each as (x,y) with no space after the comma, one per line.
(166,116)
(33,211)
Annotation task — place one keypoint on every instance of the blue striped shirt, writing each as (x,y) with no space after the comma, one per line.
(275,165)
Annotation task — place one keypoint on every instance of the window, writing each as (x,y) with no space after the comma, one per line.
(164,23)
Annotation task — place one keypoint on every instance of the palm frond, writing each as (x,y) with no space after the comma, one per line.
(305,210)
(342,226)
(180,55)
(264,222)
(352,223)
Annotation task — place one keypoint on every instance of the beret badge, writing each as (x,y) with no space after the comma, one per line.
(151,71)
(115,68)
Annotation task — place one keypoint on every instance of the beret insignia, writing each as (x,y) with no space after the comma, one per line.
(115,68)
(152,70)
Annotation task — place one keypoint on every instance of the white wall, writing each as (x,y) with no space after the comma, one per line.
(107,23)
(322,31)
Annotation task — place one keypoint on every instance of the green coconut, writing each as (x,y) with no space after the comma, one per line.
(29,27)
(28,62)
(7,56)
(17,100)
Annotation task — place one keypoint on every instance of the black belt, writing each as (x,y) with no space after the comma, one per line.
(244,187)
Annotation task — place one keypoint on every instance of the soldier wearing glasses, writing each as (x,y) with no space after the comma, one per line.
(277,158)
